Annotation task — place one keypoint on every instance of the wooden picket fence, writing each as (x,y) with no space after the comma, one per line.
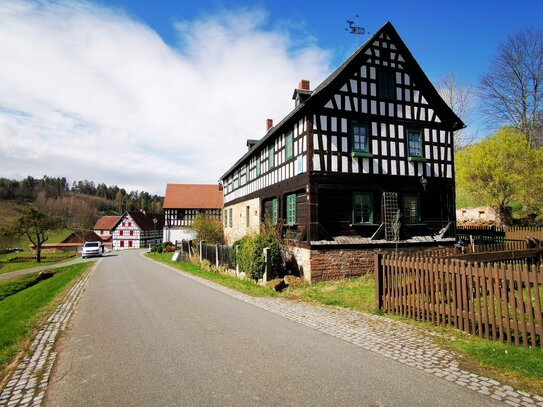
(497,234)
(495,301)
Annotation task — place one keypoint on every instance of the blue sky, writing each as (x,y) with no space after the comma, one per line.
(142,93)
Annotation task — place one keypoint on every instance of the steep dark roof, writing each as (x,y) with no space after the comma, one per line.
(144,220)
(433,97)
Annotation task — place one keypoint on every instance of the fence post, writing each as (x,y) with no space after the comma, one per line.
(377,268)
(217,255)
(201,246)
(267,265)
(237,261)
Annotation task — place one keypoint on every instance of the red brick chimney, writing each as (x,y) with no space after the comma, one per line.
(303,85)
(269,124)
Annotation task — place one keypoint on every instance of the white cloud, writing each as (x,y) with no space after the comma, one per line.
(89,93)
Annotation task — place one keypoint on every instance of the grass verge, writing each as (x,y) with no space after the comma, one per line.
(517,366)
(22,312)
(7,267)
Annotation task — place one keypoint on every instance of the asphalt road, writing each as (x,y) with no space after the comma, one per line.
(144,335)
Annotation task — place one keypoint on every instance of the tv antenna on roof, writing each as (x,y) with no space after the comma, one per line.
(356,29)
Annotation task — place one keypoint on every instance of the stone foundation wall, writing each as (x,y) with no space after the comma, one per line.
(338,264)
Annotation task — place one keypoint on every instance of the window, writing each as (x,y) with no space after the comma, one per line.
(291,209)
(411,209)
(271,158)
(361,140)
(131,233)
(257,166)
(386,81)
(130,243)
(274,210)
(414,145)
(230,217)
(129,224)
(289,146)
(122,243)
(121,232)
(247,216)
(362,207)
(124,224)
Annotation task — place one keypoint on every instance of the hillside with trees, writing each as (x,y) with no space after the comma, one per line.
(78,206)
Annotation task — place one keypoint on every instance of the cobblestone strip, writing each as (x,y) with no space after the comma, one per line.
(28,383)
(390,338)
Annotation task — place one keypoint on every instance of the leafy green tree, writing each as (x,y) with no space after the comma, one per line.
(208,228)
(34,225)
(498,170)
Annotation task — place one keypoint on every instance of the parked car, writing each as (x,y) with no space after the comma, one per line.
(92,249)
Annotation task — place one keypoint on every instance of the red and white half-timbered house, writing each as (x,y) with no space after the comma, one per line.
(182,202)
(363,163)
(137,229)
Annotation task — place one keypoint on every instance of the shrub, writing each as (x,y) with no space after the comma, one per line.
(250,256)
(208,228)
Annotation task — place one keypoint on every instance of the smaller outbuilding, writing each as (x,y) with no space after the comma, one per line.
(104,227)
(137,229)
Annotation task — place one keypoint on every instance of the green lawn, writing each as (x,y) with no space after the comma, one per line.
(23,310)
(7,267)
(518,366)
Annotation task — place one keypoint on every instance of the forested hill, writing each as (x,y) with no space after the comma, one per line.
(79,204)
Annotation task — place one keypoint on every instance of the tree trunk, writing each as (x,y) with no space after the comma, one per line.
(38,254)
(504,216)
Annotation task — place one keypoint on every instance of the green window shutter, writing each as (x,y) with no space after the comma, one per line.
(230,217)
(274,210)
(362,207)
(291,209)
(258,166)
(271,152)
(225,217)
(411,209)
(289,146)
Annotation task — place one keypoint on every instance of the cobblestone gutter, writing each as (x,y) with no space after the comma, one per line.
(27,385)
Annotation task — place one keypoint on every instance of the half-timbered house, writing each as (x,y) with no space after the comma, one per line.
(182,202)
(137,229)
(363,163)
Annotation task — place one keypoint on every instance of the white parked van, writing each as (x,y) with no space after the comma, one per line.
(92,249)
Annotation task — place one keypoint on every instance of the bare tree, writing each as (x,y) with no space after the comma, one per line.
(459,98)
(511,91)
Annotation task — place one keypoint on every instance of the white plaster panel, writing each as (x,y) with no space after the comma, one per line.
(365,165)
(324,123)
(363,71)
(373,107)
(347,104)
(384,149)
(324,142)
(364,88)
(400,111)
(436,170)
(315,142)
(334,163)
(408,112)
(338,101)
(344,163)
(393,149)
(449,171)
(373,89)
(406,78)
(375,146)
(333,143)
(374,129)
(426,135)
(393,167)
(382,108)
(334,123)
(329,105)
(435,152)
(411,168)
(420,168)
(316,162)
(372,72)
(354,86)
(354,161)
(401,150)
(375,166)
(384,166)
(364,106)
(344,88)
(344,144)
(344,125)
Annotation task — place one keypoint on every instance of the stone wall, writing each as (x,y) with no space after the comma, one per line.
(240,226)
(338,264)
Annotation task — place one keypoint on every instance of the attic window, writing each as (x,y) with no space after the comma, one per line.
(386,81)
